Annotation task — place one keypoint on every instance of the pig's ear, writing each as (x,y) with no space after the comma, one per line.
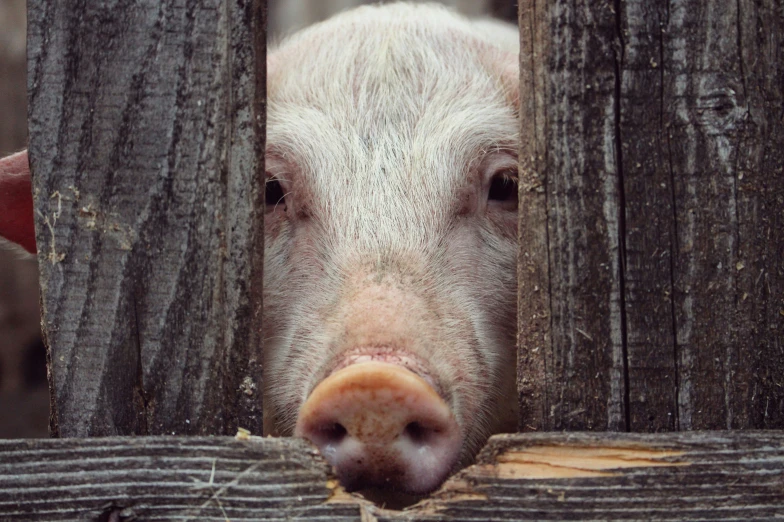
(510,79)
(504,66)
(502,56)
(16,201)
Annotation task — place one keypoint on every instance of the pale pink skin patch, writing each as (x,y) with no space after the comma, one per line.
(379,424)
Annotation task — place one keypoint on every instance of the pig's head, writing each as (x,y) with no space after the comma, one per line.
(391,226)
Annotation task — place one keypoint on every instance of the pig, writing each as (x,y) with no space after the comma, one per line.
(390,240)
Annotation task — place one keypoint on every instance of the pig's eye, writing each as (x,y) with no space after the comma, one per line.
(503,190)
(274,196)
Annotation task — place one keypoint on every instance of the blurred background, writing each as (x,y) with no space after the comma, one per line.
(285,16)
(24,399)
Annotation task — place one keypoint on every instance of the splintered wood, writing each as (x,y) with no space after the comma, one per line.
(574,461)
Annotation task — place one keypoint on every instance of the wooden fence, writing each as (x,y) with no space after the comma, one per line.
(651,281)
(146,143)
(651,285)
(733,475)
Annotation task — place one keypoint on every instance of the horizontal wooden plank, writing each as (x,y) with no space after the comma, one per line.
(545,476)
(602,476)
(165,478)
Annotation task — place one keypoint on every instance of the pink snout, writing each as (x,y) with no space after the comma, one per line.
(380,425)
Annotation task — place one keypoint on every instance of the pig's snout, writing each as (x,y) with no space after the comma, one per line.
(380,425)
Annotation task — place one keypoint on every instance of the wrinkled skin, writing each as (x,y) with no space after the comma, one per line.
(391,224)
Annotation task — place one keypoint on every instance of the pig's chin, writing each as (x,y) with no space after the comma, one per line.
(382,425)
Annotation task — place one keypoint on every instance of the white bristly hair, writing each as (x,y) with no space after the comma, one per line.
(381,124)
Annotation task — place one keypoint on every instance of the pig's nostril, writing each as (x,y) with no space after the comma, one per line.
(333,433)
(418,433)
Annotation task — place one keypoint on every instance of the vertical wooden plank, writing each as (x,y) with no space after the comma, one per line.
(723,96)
(758,389)
(146,144)
(243,279)
(699,127)
(584,219)
(703,83)
(575,52)
(533,271)
(649,218)
(696,149)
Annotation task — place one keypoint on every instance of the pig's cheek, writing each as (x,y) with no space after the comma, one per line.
(305,252)
(503,223)
(481,262)
(292,294)
(274,225)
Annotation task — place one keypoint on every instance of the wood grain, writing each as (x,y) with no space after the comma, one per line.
(649,233)
(721,97)
(757,391)
(146,145)
(544,476)
(165,478)
(676,476)
(656,130)
(534,339)
(568,70)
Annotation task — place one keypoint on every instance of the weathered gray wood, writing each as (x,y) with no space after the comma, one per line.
(569,54)
(656,130)
(533,269)
(757,389)
(677,476)
(649,220)
(165,478)
(722,95)
(146,145)
(701,139)
(578,476)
